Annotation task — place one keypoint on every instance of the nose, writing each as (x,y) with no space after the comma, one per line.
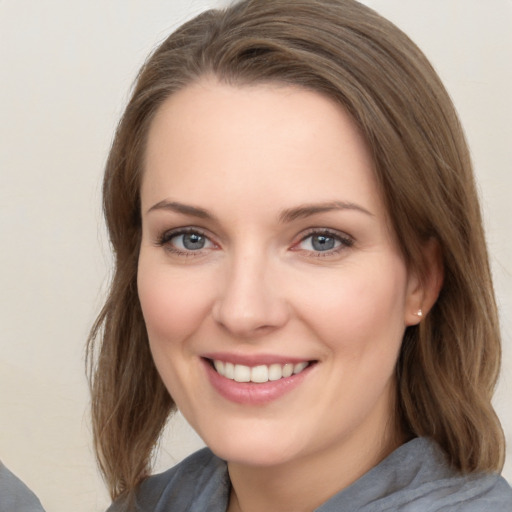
(250,302)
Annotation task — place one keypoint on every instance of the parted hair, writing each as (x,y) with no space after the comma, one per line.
(449,363)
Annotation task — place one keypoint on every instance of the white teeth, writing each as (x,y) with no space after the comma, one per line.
(287,370)
(242,373)
(219,366)
(229,371)
(258,374)
(275,372)
(299,367)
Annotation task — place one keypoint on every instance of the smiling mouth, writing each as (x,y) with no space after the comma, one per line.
(258,374)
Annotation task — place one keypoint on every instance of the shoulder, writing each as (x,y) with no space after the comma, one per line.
(417,478)
(433,485)
(15,495)
(471,493)
(481,492)
(199,482)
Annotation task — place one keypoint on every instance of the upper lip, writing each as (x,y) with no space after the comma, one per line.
(254,359)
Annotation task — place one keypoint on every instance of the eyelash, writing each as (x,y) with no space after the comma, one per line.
(345,241)
(165,238)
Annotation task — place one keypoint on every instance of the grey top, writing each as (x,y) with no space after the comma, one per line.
(15,496)
(414,478)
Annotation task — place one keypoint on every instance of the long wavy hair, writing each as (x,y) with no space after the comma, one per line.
(448,365)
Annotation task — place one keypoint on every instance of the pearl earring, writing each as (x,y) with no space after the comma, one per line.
(419,313)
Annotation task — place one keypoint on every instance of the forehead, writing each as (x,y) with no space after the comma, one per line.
(237,139)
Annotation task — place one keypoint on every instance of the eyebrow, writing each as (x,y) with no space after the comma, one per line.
(185,209)
(288,215)
(308,210)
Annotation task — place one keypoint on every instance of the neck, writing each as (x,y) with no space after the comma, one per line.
(303,485)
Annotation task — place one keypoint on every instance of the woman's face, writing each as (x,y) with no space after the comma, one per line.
(273,290)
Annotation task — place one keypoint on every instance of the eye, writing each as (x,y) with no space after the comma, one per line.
(189,241)
(324,241)
(319,243)
(185,241)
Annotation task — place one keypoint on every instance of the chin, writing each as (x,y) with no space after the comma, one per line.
(251,448)
(256,456)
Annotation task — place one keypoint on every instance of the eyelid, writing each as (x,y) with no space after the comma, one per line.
(346,240)
(164,237)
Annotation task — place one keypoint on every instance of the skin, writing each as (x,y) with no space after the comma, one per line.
(246,155)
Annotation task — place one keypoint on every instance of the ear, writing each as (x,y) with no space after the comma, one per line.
(423,288)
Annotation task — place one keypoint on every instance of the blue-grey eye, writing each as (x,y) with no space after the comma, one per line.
(190,241)
(320,243)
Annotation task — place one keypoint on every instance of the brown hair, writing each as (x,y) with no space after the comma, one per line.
(449,364)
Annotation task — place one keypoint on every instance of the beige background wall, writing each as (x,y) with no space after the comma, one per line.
(65,71)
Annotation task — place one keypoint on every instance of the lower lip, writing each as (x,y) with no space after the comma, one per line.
(251,393)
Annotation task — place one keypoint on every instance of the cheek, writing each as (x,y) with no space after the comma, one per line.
(172,304)
(358,309)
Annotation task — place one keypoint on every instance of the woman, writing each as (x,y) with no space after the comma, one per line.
(301,270)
